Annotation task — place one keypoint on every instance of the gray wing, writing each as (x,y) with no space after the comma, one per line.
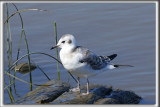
(96,62)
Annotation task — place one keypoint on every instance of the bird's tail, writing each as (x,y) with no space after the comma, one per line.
(117,65)
(112,66)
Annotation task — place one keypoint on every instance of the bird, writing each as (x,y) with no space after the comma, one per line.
(81,61)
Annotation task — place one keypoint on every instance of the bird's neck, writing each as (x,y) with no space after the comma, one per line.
(68,49)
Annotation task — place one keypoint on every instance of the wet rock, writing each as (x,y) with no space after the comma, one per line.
(107,101)
(97,92)
(58,93)
(45,94)
(118,96)
(125,97)
(23,68)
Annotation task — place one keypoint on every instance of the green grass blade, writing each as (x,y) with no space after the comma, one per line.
(41,70)
(17,62)
(18,47)
(29,62)
(11,97)
(55,29)
(11,67)
(10,42)
(9,56)
(10,60)
(19,14)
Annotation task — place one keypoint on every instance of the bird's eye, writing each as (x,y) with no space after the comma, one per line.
(63,41)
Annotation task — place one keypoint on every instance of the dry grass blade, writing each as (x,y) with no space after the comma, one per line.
(22,11)
(21,81)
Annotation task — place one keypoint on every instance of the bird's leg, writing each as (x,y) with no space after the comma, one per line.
(78,86)
(87,88)
(78,82)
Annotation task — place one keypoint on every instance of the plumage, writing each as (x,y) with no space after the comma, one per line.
(80,61)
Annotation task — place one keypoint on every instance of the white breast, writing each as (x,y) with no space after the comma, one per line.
(71,63)
(70,60)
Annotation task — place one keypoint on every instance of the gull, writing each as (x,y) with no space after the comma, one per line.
(81,61)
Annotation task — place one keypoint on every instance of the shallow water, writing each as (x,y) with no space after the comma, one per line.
(127,29)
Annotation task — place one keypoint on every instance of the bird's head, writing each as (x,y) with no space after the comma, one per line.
(66,41)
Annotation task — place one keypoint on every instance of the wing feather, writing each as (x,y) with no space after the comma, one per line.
(96,62)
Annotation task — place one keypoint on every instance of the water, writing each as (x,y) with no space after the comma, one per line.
(127,29)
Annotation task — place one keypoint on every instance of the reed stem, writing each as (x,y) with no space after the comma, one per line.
(19,45)
(41,70)
(8,91)
(55,29)
(29,62)
(9,54)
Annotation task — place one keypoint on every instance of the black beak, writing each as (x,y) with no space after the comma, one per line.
(54,47)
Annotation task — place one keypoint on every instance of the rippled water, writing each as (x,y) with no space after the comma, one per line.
(127,29)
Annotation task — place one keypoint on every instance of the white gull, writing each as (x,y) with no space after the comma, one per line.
(82,62)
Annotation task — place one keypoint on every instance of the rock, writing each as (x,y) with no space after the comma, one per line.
(23,68)
(97,92)
(125,97)
(57,93)
(45,94)
(107,101)
(118,96)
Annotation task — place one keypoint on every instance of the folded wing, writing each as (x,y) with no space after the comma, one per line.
(96,62)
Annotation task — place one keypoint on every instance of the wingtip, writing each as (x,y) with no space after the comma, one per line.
(116,66)
(115,55)
(123,65)
(112,56)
